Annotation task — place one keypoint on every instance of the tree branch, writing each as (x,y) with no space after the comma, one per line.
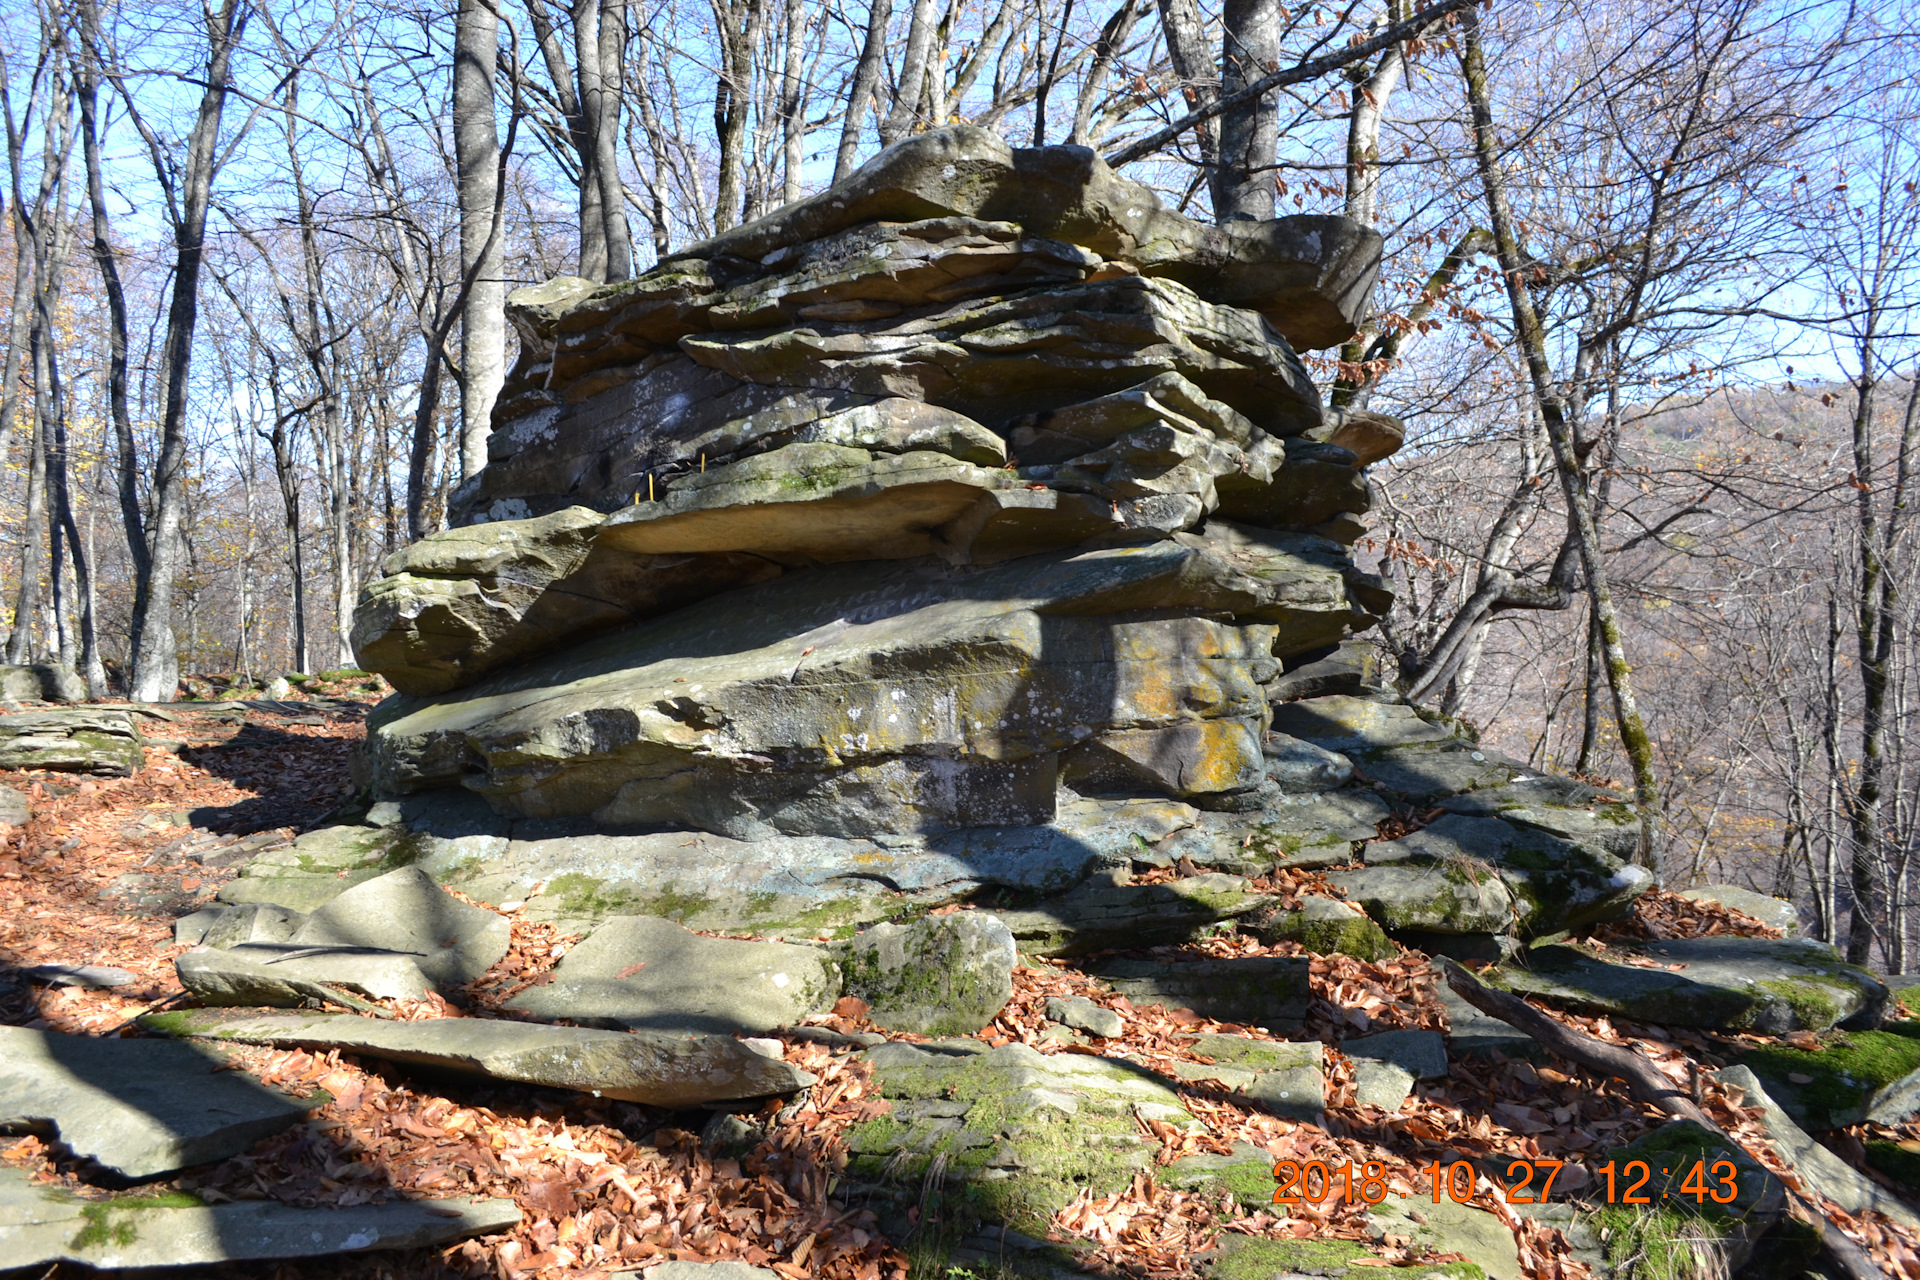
(1305,71)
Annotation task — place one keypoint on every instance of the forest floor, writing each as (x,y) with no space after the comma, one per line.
(107,865)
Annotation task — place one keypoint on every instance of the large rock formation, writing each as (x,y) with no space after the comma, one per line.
(952,535)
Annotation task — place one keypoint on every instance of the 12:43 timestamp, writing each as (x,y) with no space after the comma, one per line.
(1626,1183)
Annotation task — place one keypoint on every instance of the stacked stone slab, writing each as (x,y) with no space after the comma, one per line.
(972,531)
(892,512)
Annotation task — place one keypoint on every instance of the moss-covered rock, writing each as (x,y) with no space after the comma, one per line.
(1324,926)
(1853,1076)
(1017,1134)
(941,976)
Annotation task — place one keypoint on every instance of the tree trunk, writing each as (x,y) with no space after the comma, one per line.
(1532,338)
(913,70)
(476,147)
(1249,132)
(793,122)
(866,81)
(739,24)
(127,459)
(156,674)
(26,603)
(1186,34)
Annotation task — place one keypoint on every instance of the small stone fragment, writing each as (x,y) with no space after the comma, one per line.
(91,976)
(1381,1084)
(1080,1012)
(15,809)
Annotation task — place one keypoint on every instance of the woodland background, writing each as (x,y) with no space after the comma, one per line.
(1649,311)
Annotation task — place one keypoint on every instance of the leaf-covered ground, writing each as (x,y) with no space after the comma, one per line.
(105,867)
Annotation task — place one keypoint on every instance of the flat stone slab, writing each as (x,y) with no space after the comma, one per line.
(1288,1079)
(646,973)
(140,1108)
(44,1225)
(1385,1085)
(1107,911)
(287,975)
(1422,1053)
(655,1068)
(1255,991)
(1451,1227)
(1858,1075)
(1749,984)
(709,1271)
(94,977)
(1348,724)
(1819,1168)
(1775,913)
(91,740)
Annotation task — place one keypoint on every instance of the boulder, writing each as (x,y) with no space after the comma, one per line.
(1552,885)
(645,973)
(43,1226)
(98,741)
(1299,766)
(941,976)
(41,682)
(660,1069)
(1723,983)
(139,1108)
(405,913)
(834,702)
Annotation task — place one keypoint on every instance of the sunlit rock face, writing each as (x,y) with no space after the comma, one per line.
(962,521)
